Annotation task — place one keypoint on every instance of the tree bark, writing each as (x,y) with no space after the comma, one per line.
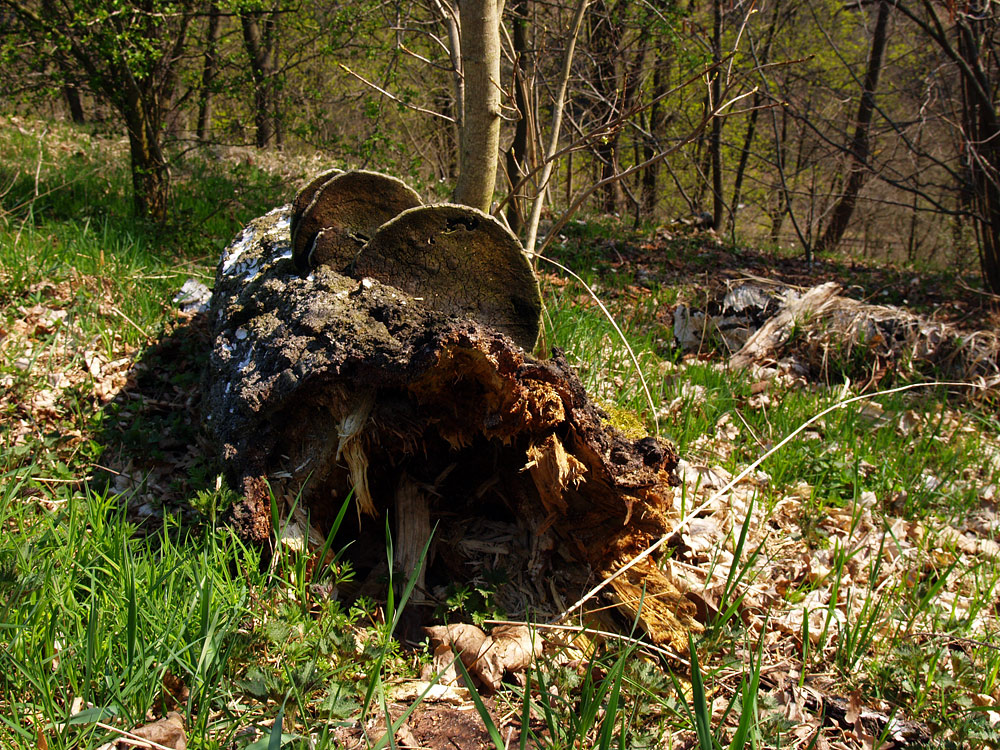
(150,173)
(209,71)
(605,41)
(73,101)
(982,128)
(715,144)
(480,144)
(259,40)
(657,124)
(517,156)
(860,146)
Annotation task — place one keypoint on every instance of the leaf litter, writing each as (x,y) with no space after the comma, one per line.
(48,355)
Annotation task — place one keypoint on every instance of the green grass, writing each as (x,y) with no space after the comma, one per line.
(106,610)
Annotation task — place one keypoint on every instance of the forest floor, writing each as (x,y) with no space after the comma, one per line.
(846,585)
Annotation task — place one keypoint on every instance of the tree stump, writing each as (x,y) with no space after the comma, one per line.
(326,382)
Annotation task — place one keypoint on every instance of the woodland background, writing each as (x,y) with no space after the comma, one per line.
(867,128)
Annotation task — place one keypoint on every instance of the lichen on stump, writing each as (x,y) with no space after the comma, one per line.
(325,383)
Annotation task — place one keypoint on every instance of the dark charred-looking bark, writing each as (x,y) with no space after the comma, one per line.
(860,147)
(326,382)
(259,39)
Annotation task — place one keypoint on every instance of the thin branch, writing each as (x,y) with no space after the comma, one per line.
(393,97)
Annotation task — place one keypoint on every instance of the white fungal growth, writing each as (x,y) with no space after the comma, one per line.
(237,249)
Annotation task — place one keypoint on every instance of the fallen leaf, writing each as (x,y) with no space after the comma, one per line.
(466,640)
(510,648)
(166,732)
(405,738)
(175,692)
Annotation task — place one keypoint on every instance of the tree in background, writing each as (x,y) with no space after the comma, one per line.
(859,148)
(966,34)
(128,53)
(260,40)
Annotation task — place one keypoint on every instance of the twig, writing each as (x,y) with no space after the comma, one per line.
(557,114)
(957,639)
(137,327)
(393,97)
(41,154)
(989,295)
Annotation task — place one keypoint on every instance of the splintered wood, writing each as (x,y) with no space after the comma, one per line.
(325,383)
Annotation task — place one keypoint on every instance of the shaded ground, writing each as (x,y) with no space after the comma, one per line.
(702,268)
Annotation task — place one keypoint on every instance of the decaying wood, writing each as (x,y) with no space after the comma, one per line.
(461,261)
(308,194)
(325,383)
(413,529)
(343,213)
(827,334)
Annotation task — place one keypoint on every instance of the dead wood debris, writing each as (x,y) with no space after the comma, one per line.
(325,383)
(828,335)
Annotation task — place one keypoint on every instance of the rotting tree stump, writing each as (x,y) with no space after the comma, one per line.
(428,406)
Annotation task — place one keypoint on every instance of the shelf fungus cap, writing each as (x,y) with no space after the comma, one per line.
(335,214)
(461,261)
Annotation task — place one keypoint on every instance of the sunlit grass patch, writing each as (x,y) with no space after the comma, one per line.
(857,563)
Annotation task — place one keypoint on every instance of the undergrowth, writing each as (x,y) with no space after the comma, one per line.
(846,565)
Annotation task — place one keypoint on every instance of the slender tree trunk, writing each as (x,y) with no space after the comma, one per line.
(480,26)
(982,129)
(657,123)
(70,91)
(150,174)
(258,39)
(718,204)
(751,124)
(449,16)
(209,71)
(517,156)
(783,206)
(72,95)
(553,145)
(860,146)
(605,38)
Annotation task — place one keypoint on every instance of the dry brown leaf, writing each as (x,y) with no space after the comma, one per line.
(405,738)
(175,692)
(510,648)
(466,640)
(167,732)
